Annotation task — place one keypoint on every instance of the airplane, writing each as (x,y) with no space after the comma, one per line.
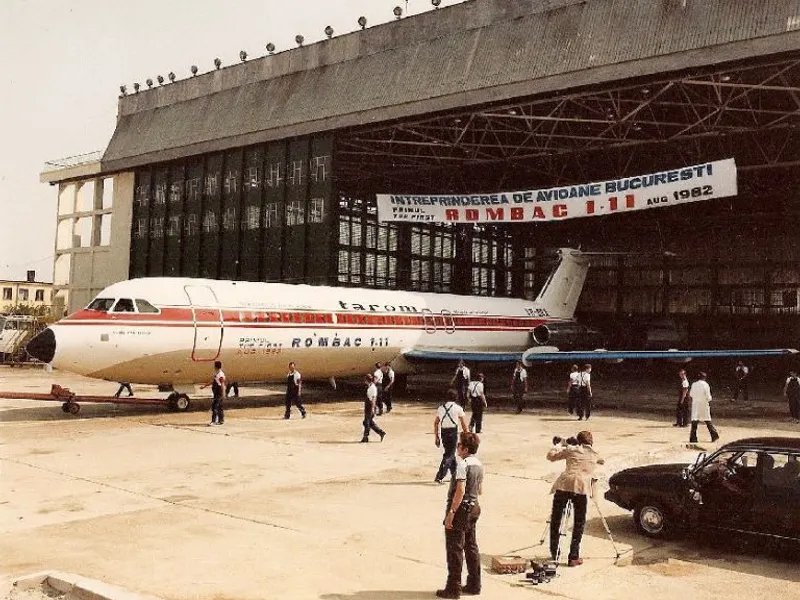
(169,331)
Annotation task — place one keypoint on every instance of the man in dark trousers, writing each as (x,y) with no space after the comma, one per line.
(294,387)
(585,393)
(519,385)
(791,391)
(124,385)
(388,385)
(463,511)
(682,410)
(477,402)
(461,381)
(218,389)
(445,433)
(232,386)
(574,485)
(370,405)
(742,382)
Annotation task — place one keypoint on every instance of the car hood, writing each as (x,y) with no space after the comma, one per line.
(649,472)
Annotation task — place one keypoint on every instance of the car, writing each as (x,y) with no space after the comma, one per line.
(751,486)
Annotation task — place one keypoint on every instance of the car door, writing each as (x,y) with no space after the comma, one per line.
(727,484)
(775,509)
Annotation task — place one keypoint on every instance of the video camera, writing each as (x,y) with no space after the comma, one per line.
(570,441)
(541,572)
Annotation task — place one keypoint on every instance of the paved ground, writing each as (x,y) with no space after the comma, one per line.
(158,503)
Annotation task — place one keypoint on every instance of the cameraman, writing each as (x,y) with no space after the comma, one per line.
(574,484)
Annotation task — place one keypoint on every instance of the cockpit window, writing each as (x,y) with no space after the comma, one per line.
(124,305)
(145,307)
(101,304)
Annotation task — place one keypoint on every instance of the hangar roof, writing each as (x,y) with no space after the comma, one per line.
(470,54)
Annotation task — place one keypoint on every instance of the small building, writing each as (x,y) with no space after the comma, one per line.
(31,293)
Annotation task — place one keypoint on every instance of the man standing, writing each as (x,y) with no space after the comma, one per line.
(574,485)
(519,385)
(377,378)
(388,385)
(791,391)
(463,511)
(369,410)
(742,381)
(573,389)
(294,387)
(585,393)
(700,392)
(682,409)
(218,389)
(477,401)
(445,433)
(461,381)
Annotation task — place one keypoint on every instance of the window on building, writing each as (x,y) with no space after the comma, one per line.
(39,295)
(23,294)
(8,293)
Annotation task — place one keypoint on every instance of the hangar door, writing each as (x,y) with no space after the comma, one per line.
(208,324)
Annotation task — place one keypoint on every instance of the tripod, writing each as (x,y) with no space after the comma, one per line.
(562,529)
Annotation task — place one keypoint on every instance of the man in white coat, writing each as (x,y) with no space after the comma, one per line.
(700,393)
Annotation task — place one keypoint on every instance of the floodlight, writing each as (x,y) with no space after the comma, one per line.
(193,69)
(398,12)
(123,90)
(171,76)
(299,39)
(217,63)
(149,82)
(362,21)
(242,55)
(136,87)
(329,31)
(270,47)
(160,80)
(436,3)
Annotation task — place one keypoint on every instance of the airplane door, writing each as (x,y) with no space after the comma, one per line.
(208,324)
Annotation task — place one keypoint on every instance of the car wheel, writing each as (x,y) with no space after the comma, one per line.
(652,519)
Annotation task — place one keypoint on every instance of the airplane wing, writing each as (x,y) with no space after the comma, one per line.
(534,355)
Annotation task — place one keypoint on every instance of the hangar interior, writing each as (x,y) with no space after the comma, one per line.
(485,97)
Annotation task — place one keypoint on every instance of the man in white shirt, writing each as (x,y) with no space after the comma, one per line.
(369,410)
(377,378)
(477,402)
(519,385)
(445,431)
(700,393)
(461,381)
(294,388)
(742,381)
(218,389)
(585,393)
(682,409)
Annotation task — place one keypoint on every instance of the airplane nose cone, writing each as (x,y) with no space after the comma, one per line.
(43,346)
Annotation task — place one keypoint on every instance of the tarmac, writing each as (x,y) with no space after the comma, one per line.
(156,504)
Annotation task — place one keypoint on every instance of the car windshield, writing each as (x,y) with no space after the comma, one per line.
(101,304)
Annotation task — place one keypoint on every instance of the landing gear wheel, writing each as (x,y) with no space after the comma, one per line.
(172,401)
(72,408)
(182,403)
(65,407)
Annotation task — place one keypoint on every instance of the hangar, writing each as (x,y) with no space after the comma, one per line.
(268,170)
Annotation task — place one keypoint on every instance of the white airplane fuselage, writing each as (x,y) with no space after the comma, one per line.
(177,327)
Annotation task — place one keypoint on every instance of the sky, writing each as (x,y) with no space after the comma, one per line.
(62,62)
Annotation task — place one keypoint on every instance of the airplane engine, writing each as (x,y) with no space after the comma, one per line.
(567,336)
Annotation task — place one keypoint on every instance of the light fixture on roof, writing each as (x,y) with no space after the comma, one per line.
(436,3)
(217,63)
(329,31)
(242,55)
(398,12)
(171,76)
(149,82)
(270,47)
(136,87)
(123,90)
(299,39)
(193,69)
(160,80)
(725,78)
(362,21)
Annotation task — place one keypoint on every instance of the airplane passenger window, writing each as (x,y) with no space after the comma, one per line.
(101,304)
(124,305)
(143,306)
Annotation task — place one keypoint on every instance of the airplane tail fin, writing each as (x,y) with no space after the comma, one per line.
(560,294)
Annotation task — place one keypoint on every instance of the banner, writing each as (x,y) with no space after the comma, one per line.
(667,188)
